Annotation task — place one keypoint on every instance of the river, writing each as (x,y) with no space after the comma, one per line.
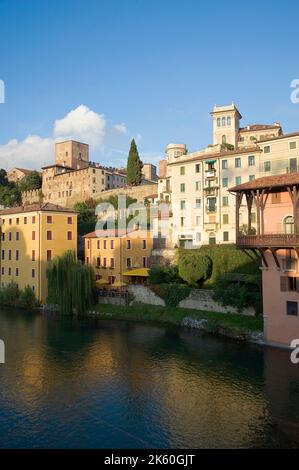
(91,383)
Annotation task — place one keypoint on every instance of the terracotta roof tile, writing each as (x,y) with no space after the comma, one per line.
(268,182)
(43,207)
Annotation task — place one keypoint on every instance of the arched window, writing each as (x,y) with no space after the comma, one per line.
(288,224)
(223,121)
(229,121)
(218,122)
(224,139)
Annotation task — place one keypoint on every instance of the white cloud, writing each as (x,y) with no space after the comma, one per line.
(121,128)
(81,124)
(32,152)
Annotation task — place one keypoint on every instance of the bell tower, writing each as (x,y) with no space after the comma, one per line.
(226,125)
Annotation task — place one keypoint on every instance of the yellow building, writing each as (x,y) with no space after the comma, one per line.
(119,258)
(30,237)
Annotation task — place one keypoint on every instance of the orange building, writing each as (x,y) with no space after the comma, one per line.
(275,200)
(119,258)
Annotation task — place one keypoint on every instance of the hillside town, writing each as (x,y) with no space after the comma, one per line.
(240,192)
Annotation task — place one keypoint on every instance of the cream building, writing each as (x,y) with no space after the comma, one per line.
(196,184)
(73,178)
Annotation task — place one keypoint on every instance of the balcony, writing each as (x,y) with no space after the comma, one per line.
(211,190)
(276,240)
(210,173)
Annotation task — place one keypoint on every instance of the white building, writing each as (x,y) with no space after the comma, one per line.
(196,184)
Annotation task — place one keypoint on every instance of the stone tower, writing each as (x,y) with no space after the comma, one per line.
(226,124)
(72,154)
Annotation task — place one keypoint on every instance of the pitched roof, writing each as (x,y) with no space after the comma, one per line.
(113,233)
(287,179)
(42,207)
(259,127)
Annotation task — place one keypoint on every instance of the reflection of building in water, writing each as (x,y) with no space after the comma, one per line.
(282,391)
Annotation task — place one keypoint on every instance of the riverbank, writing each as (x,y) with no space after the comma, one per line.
(230,325)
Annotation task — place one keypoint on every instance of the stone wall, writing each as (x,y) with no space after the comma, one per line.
(201,299)
(198,299)
(144,295)
(32,197)
(136,192)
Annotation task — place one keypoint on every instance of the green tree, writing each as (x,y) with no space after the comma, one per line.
(3,177)
(70,284)
(30,182)
(195,268)
(10,195)
(134,166)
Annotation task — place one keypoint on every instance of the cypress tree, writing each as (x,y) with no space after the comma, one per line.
(134,166)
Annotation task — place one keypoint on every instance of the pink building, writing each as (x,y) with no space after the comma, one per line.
(275,244)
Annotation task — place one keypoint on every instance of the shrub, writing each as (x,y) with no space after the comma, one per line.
(163,274)
(195,268)
(172,294)
(12,296)
(239,291)
(27,298)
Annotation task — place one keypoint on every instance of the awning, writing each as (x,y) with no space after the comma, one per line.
(119,284)
(102,282)
(210,161)
(142,272)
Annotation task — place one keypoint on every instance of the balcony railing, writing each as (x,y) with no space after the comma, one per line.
(276,240)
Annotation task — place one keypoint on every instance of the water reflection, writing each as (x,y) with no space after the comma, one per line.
(93,383)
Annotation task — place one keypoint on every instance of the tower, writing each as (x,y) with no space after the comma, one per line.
(226,124)
(72,154)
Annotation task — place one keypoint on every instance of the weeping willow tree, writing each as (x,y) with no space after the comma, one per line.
(70,284)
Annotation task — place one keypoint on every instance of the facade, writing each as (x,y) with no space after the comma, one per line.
(276,240)
(73,178)
(17,174)
(119,258)
(196,184)
(149,172)
(30,237)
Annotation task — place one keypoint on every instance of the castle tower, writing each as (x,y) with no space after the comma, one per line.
(175,150)
(72,154)
(226,124)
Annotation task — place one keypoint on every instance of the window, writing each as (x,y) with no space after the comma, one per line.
(144,262)
(238,162)
(129,263)
(17,236)
(197,186)
(198,220)
(111,280)
(17,272)
(49,255)
(10,221)
(229,120)
(105,262)
(9,271)
(293,145)
(267,149)
(99,244)
(238,180)
(33,219)
(183,204)
(198,237)
(9,254)
(69,220)
(251,177)
(105,244)
(32,272)
(218,122)
(224,139)
(49,219)
(33,255)
(225,219)
(197,168)
(9,236)
(251,160)
(17,220)
(183,187)
(2,254)
(224,182)
(182,221)
(112,263)
(225,200)
(144,244)
(128,244)
(69,235)
(198,203)
(98,261)
(49,235)
(224,164)
(112,244)
(182,170)
(223,121)
(225,236)
(292,308)
(293,165)
(17,255)
(25,220)
(33,235)
(3,236)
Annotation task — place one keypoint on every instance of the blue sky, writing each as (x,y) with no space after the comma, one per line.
(149,69)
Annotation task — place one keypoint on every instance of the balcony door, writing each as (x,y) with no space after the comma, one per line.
(293,165)
(211,204)
(288,225)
